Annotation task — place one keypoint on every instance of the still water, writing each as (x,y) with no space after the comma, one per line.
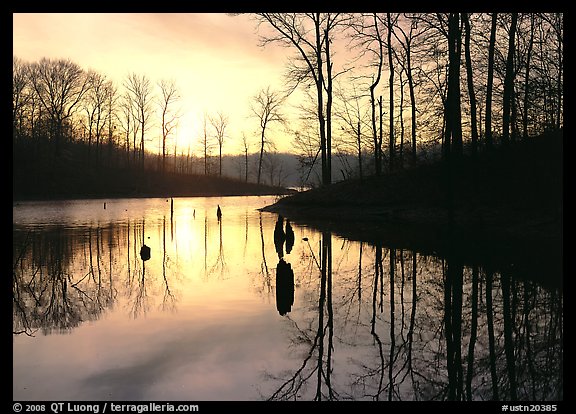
(219,311)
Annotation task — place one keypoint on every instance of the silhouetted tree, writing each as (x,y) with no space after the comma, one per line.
(219,123)
(490,81)
(470,81)
(168,97)
(205,142)
(392,143)
(310,34)
(97,103)
(245,147)
(353,116)
(129,124)
(367,37)
(406,43)
(556,63)
(509,82)
(453,115)
(265,106)
(20,95)
(140,91)
(527,87)
(60,85)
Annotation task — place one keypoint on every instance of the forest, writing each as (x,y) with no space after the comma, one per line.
(388,90)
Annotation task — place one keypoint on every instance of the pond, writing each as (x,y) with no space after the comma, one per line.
(220,309)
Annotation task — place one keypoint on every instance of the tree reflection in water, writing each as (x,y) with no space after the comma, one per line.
(367,323)
(439,329)
(318,360)
(46,294)
(62,277)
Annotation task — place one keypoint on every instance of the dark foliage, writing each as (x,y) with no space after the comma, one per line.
(501,205)
(72,175)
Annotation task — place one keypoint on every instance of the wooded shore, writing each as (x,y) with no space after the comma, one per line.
(504,207)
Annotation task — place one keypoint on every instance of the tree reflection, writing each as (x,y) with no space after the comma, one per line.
(318,359)
(220,263)
(371,323)
(139,298)
(453,279)
(63,277)
(436,329)
(168,300)
(284,287)
(46,295)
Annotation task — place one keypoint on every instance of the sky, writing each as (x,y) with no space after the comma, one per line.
(213,58)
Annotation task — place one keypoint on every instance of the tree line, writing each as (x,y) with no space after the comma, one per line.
(458,79)
(387,87)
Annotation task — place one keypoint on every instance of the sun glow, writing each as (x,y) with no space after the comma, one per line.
(213,59)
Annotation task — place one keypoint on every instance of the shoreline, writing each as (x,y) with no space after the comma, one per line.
(501,208)
(531,244)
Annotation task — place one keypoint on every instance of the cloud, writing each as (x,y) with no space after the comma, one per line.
(197,361)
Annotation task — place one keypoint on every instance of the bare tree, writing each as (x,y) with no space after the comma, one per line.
(392,144)
(490,81)
(59,85)
(406,42)
(140,91)
(129,124)
(509,81)
(310,34)
(20,96)
(168,97)
(111,115)
(452,110)
(470,79)
(245,148)
(527,76)
(219,122)
(367,37)
(265,106)
(98,107)
(205,142)
(352,114)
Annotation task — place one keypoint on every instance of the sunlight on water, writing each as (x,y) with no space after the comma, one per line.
(219,311)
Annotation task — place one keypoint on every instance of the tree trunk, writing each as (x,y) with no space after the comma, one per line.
(560,72)
(527,79)
(401,115)
(412,102)
(246,165)
(380,133)
(142,122)
(220,158)
(328,110)
(261,155)
(320,96)
(471,93)
(377,145)
(391,86)
(490,83)
(453,131)
(359,152)
(509,82)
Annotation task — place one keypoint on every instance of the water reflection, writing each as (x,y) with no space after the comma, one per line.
(284,287)
(358,321)
(47,295)
(284,272)
(279,236)
(438,330)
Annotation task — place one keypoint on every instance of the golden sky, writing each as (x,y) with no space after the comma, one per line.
(214,59)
